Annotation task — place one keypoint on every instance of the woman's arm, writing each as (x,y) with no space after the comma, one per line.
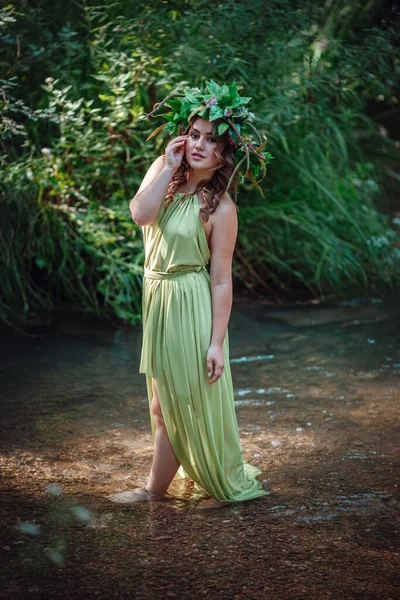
(222,243)
(145,205)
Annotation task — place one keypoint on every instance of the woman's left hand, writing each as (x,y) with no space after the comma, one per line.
(215,363)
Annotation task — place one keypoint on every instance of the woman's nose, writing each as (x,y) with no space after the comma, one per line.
(199,142)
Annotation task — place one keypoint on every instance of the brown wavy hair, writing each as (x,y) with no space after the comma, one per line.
(213,189)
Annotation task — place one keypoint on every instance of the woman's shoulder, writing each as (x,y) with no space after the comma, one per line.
(226,211)
(226,203)
(226,198)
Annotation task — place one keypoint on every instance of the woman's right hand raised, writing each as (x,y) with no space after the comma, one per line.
(174,152)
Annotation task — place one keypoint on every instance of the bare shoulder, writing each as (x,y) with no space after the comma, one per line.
(223,239)
(224,220)
(226,208)
(227,200)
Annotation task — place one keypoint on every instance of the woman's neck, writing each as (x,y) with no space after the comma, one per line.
(194,178)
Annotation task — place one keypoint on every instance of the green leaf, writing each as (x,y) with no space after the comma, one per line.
(169,117)
(175,104)
(197,111)
(222,127)
(212,87)
(186,105)
(233,92)
(242,100)
(190,96)
(171,127)
(216,112)
(224,96)
(188,108)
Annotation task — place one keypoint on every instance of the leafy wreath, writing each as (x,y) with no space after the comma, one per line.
(224,103)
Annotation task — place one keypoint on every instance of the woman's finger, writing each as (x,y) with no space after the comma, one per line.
(219,369)
(177,140)
(178,146)
(175,148)
(209,367)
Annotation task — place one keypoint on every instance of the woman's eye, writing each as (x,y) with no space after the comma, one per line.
(196,135)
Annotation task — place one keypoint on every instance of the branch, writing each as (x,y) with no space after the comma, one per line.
(246,150)
(158,105)
(256,133)
(235,171)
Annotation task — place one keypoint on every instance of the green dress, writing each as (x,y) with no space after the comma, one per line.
(200,417)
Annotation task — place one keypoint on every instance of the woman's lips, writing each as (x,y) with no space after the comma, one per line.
(196,155)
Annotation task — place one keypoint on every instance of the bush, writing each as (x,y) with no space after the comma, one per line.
(74,151)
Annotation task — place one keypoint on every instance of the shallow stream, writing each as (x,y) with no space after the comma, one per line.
(317,395)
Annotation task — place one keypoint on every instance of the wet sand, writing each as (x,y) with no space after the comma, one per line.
(317,395)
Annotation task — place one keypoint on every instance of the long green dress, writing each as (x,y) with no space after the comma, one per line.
(200,417)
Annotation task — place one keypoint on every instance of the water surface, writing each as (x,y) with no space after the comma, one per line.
(317,398)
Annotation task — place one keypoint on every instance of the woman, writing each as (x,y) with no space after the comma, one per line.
(188,219)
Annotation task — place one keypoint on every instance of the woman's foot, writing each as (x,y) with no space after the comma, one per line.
(137,495)
(212,503)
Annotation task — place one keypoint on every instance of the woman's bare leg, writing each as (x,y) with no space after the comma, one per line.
(165,464)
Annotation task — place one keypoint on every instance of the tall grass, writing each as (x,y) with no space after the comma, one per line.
(70,255)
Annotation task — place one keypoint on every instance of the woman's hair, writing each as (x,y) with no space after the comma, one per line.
(213,189)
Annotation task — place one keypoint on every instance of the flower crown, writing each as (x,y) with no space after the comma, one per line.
(224,105)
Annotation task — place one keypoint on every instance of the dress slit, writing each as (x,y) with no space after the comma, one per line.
(181,473)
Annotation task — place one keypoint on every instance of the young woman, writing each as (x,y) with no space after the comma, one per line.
(188,219)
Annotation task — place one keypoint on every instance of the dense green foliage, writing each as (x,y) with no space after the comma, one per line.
(76,77)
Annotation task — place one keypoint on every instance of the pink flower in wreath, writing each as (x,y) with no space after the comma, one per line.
(227,112)
(213,101)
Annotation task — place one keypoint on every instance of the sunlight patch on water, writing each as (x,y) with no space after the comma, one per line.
(258,391)
(249,402)
(245,392)
(245,359)
(270,390)
(319,368)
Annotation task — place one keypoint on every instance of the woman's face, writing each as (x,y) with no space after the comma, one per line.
(201,145)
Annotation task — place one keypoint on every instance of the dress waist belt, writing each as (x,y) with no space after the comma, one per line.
(172,275)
